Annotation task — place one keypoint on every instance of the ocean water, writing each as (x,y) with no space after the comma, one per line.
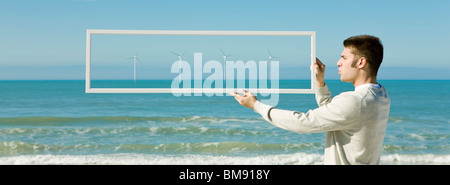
(56,122)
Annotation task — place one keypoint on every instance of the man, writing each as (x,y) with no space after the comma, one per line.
(355,121)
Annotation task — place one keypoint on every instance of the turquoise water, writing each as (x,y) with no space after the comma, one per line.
(56,122)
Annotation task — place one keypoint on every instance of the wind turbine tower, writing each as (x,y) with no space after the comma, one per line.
(180,58)
(134,61)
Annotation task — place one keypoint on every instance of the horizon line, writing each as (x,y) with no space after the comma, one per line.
(203,79)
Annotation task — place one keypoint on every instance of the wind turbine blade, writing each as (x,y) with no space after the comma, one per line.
(139,60)
(175,53)
(222,51)
(270,54)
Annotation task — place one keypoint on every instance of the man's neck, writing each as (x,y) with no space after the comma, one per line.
(368,79)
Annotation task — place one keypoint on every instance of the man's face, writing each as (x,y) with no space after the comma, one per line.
(347,72)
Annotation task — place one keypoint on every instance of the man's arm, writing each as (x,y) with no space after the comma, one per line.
(329,116)
(248,99)
(339,114)
(323,95)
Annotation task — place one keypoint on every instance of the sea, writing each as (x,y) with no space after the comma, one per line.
(56,122)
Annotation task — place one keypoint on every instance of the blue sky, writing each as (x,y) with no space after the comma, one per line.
(45,39)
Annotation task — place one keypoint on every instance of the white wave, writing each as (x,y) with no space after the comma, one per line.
(149,159)
(417,136)
(422,159)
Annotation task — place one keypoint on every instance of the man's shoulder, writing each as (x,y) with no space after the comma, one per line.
(365,96)
(351,95)
(347,104)
(348,99)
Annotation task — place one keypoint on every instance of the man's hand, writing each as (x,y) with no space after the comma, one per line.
(247,99)
(319,68)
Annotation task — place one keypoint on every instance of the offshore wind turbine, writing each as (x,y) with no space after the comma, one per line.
(134,61)
(270,55)
(225,56)
(180,58)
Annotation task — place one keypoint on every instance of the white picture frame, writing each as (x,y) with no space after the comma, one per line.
(90,32)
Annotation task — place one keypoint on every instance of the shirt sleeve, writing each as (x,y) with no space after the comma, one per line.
(338,113)
(323,96)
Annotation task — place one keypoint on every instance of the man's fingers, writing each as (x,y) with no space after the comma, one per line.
(318,61)
(237,97)
(247,93)
(244,92)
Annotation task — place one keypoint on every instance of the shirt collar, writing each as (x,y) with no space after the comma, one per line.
(368,85)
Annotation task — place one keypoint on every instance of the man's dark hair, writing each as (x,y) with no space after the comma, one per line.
(369,47)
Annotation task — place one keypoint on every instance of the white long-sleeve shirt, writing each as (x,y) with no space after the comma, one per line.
(355,123)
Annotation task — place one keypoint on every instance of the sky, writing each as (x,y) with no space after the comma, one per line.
(46,39)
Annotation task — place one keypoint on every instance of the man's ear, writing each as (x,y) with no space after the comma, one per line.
(362,62)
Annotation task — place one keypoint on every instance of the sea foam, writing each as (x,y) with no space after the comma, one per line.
(149,159)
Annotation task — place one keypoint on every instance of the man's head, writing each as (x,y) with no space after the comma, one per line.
(363,53)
